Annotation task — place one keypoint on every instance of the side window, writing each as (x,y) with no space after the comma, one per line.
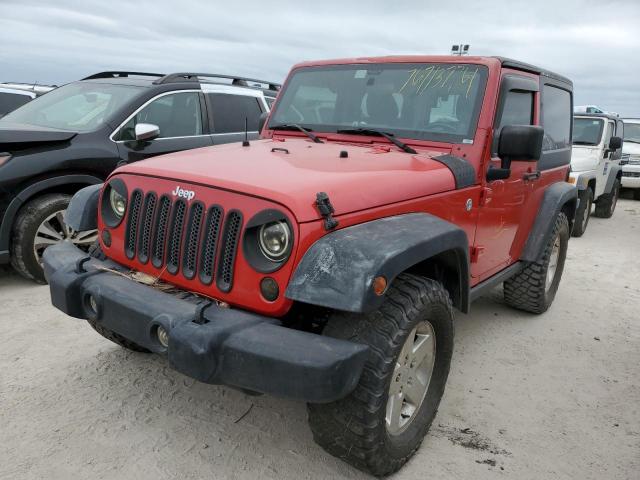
(517,109)
(556,118)
(609,134)
(11,101)
(177,115)
(230,112)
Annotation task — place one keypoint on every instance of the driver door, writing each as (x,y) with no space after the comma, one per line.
(503,201)
(180,118)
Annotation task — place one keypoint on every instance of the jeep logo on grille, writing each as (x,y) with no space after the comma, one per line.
(179,192)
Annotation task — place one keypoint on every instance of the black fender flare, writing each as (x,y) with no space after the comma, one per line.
(338,270)
(82,212)
(561,196)
(615,171)
(27,194)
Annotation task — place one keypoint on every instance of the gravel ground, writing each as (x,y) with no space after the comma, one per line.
(554,396)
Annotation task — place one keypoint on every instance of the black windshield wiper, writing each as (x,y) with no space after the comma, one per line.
(295,126)
(632,141)
(580,142)
(373,131)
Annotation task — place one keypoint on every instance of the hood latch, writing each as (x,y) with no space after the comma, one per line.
(326,210)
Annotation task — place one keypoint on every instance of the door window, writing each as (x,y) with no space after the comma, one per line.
(517,109)
(556,118)
(176,114)
(609,134)
(230,112)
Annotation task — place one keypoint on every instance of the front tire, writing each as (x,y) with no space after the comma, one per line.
(583,213)
(606,204)
(381,424)
(534,288)
(38,225)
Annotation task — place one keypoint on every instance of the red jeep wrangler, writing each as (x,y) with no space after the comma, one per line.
(324,261)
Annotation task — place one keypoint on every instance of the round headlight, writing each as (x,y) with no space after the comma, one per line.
(274,239)
(118,203)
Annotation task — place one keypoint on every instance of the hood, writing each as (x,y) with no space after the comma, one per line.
(584,158)
(631,148)
(15,137)
(292,171)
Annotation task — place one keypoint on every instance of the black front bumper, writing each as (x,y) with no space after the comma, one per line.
(213,344)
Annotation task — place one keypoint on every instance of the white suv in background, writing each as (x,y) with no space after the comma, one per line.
(631,156)
(595,165)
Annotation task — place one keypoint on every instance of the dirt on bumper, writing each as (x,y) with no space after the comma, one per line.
(209,343)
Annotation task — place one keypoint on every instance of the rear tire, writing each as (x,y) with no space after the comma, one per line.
(583,213)
(606,204)
(535,287)
(364,429)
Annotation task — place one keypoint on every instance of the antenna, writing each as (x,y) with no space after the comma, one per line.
(246,133)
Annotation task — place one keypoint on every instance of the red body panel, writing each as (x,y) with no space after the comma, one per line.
(286,170)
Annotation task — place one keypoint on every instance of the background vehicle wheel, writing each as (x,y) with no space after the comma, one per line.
(606,204)
(381,424)
(96,252)
(40,224)
(583,213)
(636,193)
(535,287)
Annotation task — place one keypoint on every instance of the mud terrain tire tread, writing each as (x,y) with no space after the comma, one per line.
(353,428)
(526,290)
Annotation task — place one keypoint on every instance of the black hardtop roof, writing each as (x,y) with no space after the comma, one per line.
(597,115)
(151,79)
(526,67)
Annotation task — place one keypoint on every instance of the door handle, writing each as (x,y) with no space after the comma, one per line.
(528,177)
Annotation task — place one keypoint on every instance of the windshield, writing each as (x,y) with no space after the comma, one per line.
(431,101)
(587,131)
(77,107)
(632,132)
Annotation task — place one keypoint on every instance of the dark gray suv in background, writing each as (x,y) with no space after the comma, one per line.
(77,134)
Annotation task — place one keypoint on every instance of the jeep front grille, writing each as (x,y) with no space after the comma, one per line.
(178,237)
(132,224)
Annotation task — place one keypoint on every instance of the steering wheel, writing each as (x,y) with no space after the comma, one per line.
(444,127)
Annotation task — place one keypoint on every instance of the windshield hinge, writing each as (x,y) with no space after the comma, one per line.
(326,210)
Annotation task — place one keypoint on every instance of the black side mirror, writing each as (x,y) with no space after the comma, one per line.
(521,142)
(615,143)
(516,142)
(262,120)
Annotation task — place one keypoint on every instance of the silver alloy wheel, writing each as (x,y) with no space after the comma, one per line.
(411,378)
(53,230)
(553,263)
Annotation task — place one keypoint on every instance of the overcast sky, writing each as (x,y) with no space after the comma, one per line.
(595,43)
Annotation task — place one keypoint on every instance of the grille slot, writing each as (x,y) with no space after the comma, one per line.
(210,243)
(160,236)
(132,224)
(224,278)
(175,236)
(191,240)
(144,240)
